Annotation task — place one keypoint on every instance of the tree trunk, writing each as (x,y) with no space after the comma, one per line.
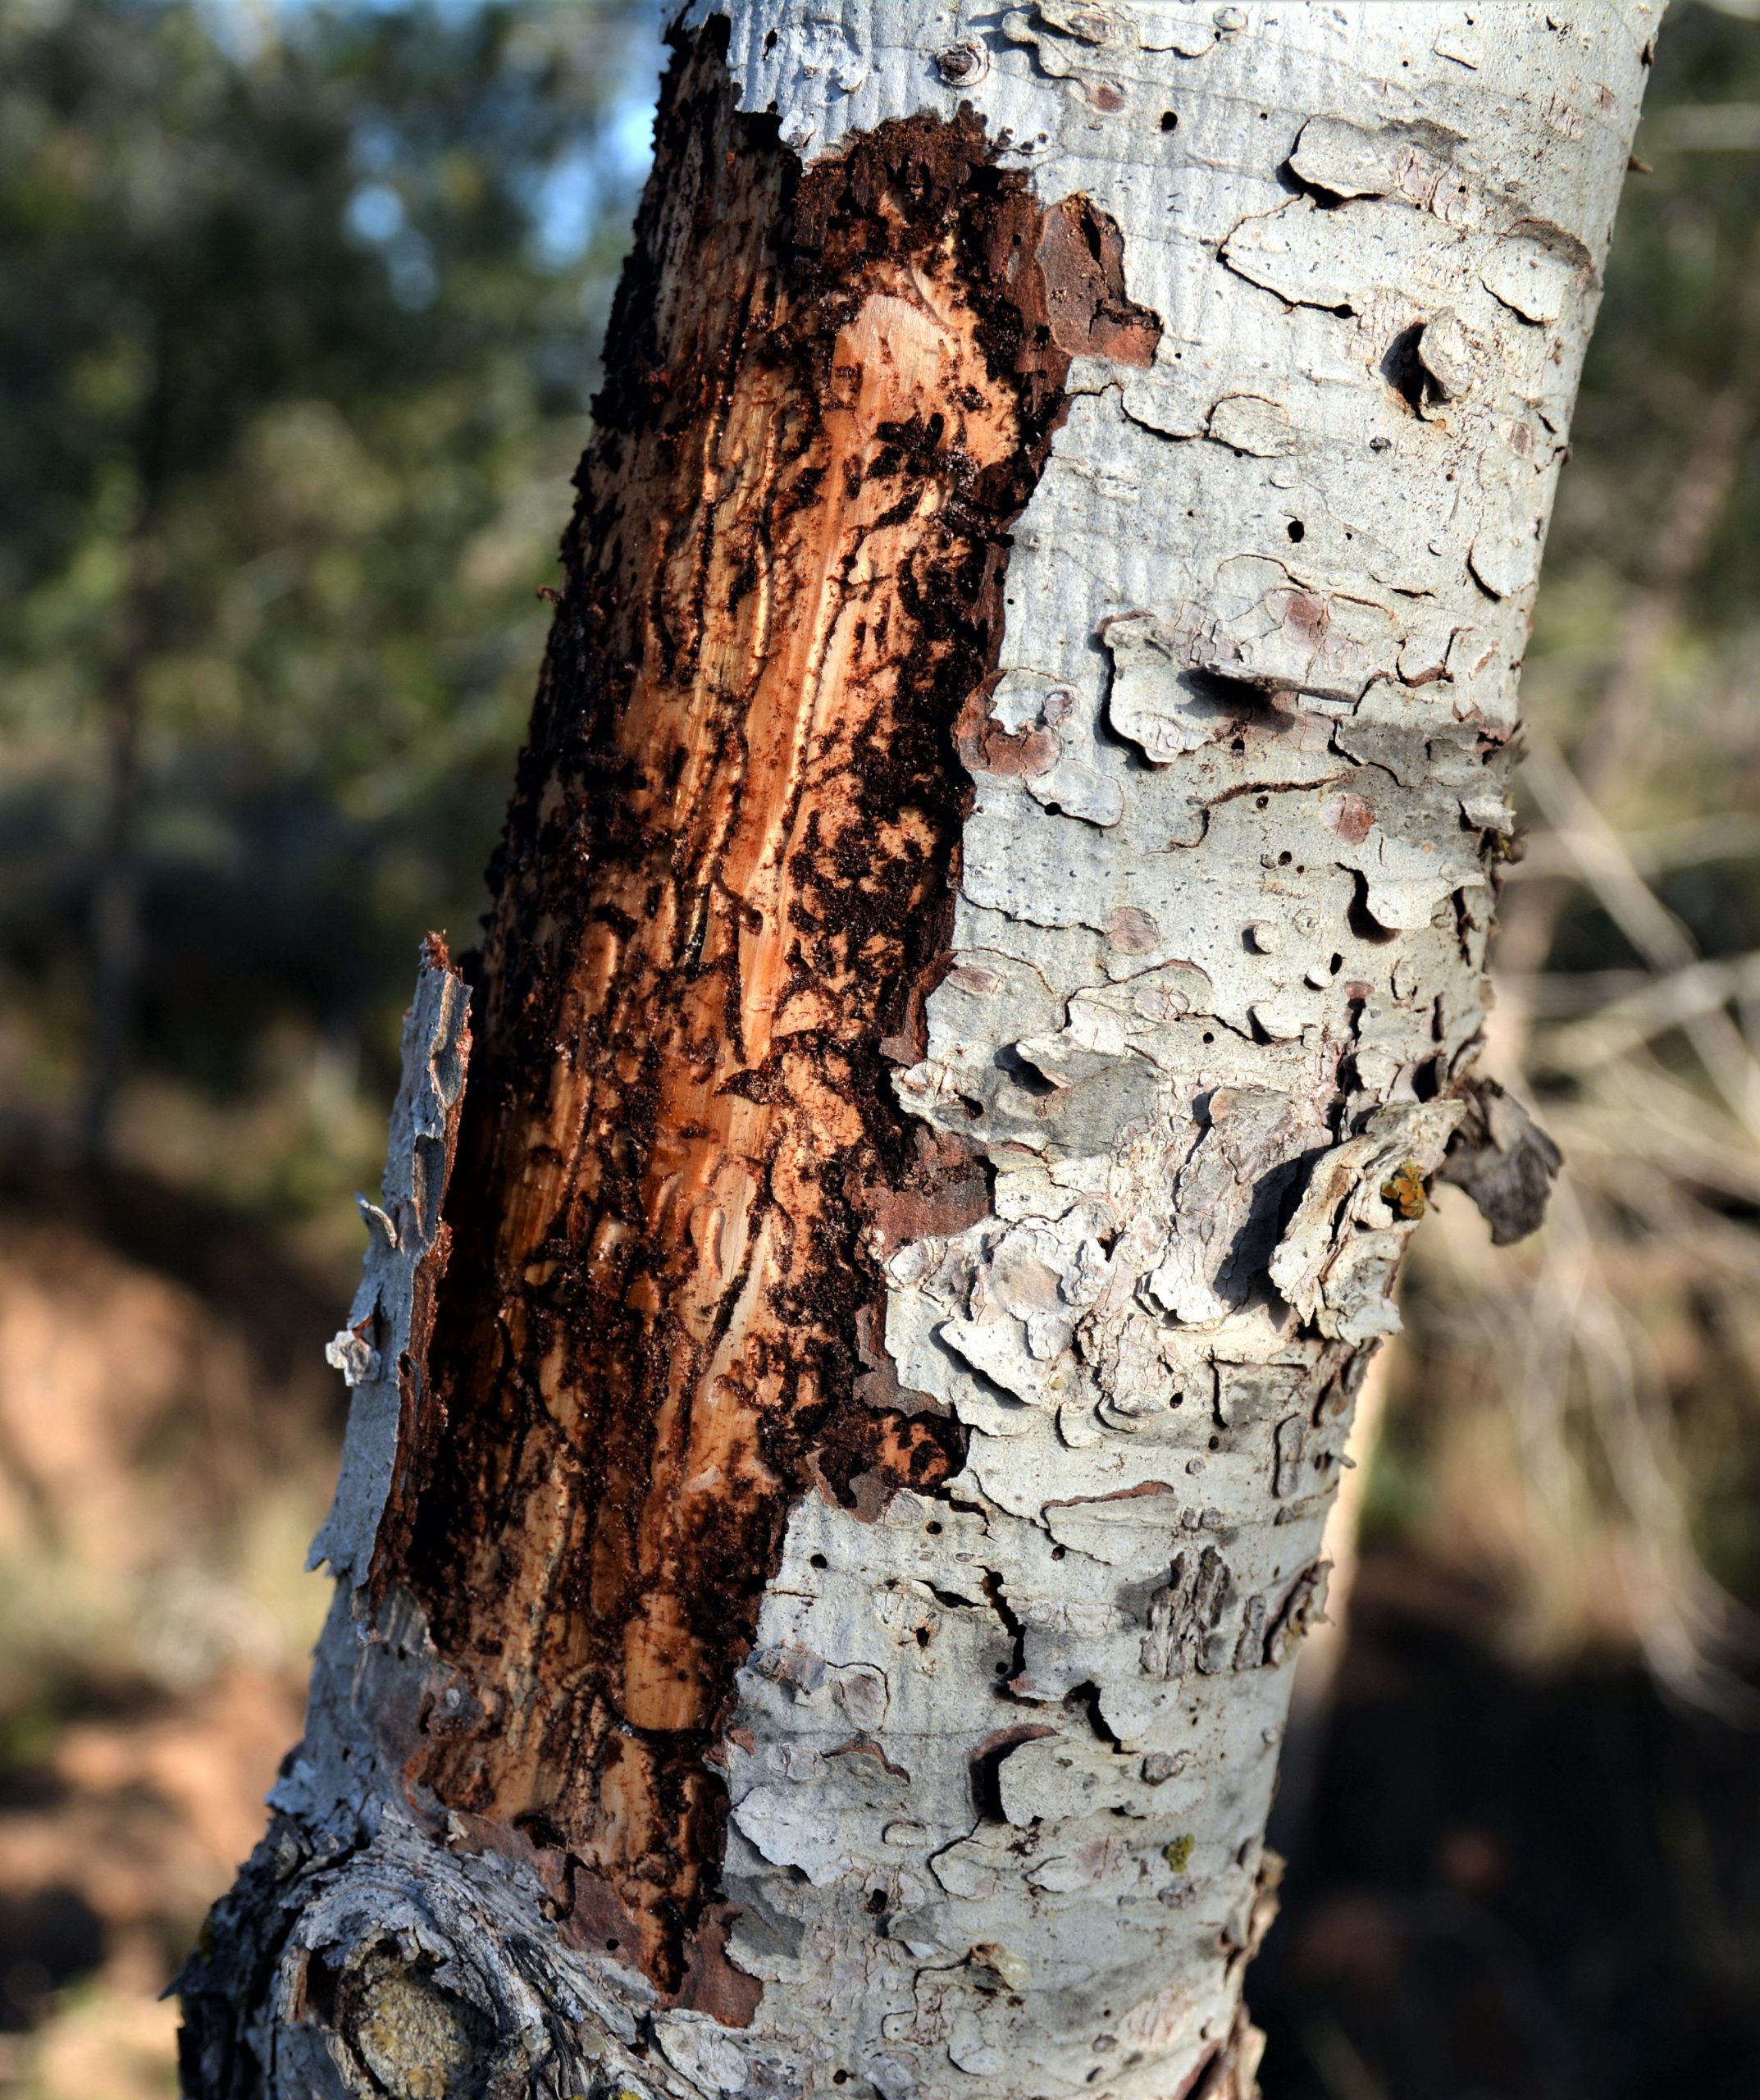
(987,957)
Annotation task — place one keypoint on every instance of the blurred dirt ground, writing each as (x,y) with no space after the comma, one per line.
(1513,1883)
(167,1430)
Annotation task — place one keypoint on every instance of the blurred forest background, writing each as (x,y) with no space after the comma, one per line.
(300,306)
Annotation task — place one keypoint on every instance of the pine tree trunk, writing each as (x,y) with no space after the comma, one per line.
(988,958)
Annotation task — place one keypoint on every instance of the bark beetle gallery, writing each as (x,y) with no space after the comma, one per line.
(986,959)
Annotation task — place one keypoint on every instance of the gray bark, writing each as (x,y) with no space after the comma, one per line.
(1002,1755)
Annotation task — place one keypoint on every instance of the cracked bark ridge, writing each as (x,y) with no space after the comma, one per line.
(382,1351)
(962,1049)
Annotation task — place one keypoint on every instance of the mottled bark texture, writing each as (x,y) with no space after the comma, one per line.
(853,1362)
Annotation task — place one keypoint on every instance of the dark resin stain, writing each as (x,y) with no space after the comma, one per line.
(723,894)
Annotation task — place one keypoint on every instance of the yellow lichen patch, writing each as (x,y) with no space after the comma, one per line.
(1404,1190)
(416,2039)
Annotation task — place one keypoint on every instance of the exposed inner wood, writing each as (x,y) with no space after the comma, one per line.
(723,893)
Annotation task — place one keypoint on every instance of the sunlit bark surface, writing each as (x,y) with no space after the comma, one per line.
(878,1252)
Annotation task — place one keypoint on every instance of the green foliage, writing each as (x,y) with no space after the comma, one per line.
(1680,326)
(298,317)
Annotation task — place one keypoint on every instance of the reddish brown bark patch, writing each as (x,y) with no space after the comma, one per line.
(1081,261)
(723,893)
